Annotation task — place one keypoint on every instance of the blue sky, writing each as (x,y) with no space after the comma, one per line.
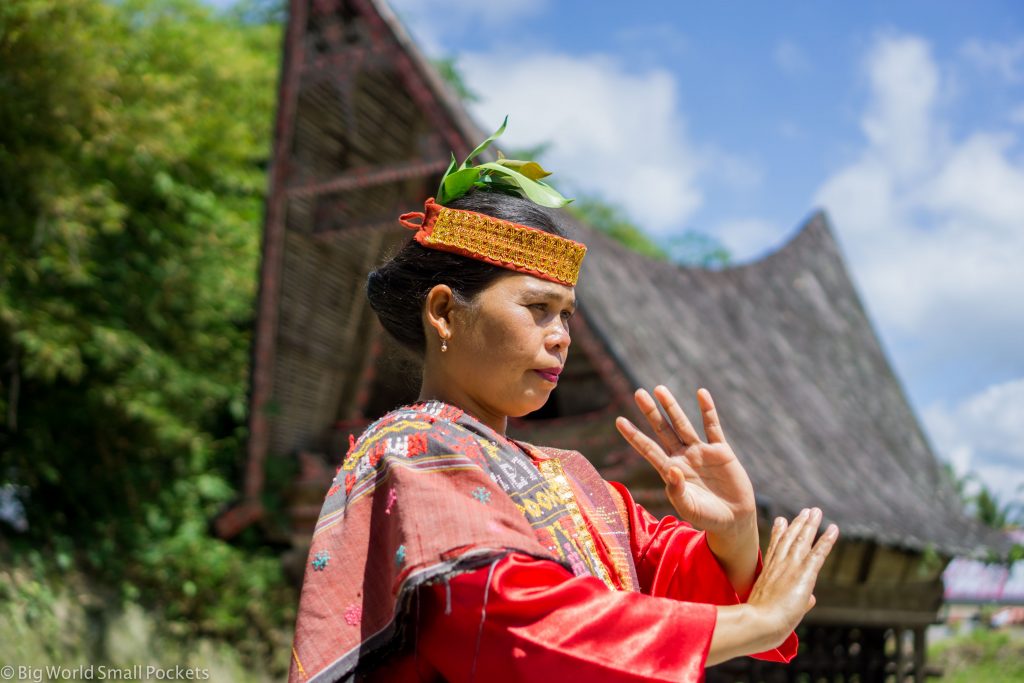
(902,120)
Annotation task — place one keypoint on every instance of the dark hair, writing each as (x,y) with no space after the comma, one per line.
(398,288)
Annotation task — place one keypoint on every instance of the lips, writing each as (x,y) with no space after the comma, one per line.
(550,374)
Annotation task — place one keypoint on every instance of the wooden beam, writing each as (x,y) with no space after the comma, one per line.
(901,654)
(869,616)
(368,176)
(262,373)
(920,653)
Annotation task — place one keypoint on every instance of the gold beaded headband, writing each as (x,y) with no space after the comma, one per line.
(498,242)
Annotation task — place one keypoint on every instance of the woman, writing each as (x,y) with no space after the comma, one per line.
(449,551)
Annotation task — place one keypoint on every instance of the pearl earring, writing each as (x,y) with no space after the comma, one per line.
(444,344)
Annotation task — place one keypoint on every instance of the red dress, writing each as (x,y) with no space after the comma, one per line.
(445,551)
(543,623)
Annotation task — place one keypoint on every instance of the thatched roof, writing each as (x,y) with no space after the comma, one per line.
(804,389)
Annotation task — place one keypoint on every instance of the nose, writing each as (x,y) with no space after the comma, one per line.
(558,338)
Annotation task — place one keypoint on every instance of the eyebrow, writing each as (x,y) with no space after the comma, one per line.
(550,295)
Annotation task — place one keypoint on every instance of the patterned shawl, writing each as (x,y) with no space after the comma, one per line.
(427,492)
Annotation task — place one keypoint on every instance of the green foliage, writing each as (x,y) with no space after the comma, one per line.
(134,139)
(994,512)
(70,619)
(531,152)
(612,221)
(448,69)
(512,176)
(982,655)
(694,248)
(982,502)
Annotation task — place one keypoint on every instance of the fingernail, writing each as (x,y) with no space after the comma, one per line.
(779,521)
(804,513)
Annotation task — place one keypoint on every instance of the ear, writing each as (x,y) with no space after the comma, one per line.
(439,305)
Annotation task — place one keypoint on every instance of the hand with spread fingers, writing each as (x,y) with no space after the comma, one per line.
(784,590)
(709,488)
(782,594)
(704,480)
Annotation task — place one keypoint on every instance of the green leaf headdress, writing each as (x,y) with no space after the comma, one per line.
(487,238)
(510,176)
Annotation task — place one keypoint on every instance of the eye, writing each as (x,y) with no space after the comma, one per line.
(568,314)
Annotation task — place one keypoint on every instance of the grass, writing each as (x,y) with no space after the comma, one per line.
(981,655)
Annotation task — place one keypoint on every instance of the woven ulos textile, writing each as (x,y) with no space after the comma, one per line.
(427,492)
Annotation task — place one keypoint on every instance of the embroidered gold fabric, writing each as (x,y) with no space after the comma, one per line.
(552,471)
(509,243)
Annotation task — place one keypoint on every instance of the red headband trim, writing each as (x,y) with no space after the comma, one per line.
(499,242)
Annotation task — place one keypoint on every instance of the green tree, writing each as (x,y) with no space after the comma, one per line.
(134,139)
(448,69)
(982,502)
(612,221)
(695,248)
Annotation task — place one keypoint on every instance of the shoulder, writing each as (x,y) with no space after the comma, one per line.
(411,432)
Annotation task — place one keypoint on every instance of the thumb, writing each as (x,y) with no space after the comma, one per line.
(674,478)
(675,489)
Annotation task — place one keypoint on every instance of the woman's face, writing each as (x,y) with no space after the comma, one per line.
(506,349)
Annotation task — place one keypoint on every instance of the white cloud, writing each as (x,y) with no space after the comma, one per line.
(932,225)
(614,132)
(436,24)
(984,433)
(1005,59)
(899,122)
(934,230)
(979,183)
(791,58)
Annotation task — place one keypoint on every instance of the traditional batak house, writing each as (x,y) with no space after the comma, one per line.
(364,129)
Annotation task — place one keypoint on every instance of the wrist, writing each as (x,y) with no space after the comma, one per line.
(738,533)
(741,540)
(742,630)
(768,625)
(737,555)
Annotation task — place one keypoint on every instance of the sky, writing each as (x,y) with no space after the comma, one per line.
(903,121)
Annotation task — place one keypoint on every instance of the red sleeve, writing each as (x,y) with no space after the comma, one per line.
(673,560)
(535,620)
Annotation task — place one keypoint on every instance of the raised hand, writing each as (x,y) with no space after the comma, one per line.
(704,480)
(782,594)
(784,590)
